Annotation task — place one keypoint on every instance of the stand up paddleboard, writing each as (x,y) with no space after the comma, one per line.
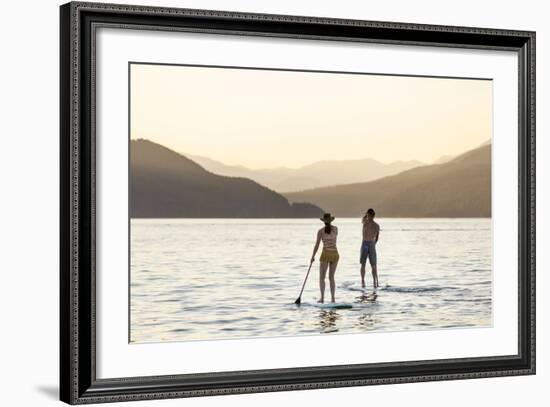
(334,305)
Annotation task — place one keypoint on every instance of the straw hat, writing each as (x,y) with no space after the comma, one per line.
(327,218)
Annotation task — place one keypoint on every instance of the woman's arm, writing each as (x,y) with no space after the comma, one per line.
(316,246)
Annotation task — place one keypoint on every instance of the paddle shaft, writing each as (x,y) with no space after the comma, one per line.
(303,285)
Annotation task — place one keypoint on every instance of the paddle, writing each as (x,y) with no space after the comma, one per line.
(299,299)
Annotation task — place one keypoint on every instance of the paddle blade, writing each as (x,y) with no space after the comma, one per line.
(298,301)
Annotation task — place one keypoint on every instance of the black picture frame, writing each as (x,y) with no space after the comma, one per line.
(78,381)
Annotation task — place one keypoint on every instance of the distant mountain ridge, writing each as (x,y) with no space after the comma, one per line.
(447,157)
(315,175)
(165,184)
(443,159)
(460,187)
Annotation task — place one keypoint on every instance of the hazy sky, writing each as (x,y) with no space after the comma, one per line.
(262,118)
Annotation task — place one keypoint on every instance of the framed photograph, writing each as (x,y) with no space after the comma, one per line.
(255,203)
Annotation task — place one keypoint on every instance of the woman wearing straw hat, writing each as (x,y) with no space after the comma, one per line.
(329,255)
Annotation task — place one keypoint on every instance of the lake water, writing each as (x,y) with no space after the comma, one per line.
(197,279)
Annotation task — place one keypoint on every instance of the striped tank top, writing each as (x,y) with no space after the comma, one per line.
(329,239)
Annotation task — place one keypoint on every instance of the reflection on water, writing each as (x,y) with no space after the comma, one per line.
(366,321)
(370,297)
(327,321)
(197,279)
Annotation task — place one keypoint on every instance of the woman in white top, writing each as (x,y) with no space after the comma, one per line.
(329,255)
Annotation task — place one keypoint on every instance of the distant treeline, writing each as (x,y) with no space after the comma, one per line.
(460,187)
(165,184)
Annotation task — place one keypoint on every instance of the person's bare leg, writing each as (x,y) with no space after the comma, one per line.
(374,276)
(323,265)
(331,272)
(362,275)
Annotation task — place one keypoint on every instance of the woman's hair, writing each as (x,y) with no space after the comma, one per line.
(328,228)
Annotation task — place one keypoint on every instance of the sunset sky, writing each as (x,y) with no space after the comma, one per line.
(266,118)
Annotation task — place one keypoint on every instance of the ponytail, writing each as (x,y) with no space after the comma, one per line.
(328,228)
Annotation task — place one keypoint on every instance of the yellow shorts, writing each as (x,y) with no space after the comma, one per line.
(329,256)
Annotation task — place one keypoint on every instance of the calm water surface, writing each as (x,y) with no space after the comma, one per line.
(196,279)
